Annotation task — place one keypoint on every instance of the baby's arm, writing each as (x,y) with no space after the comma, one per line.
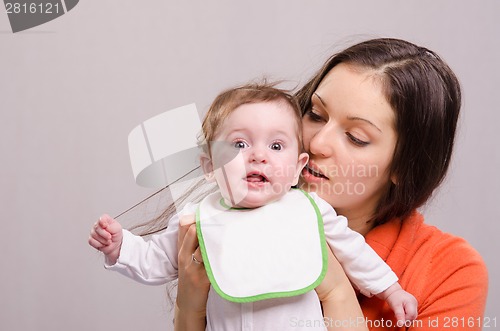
(151,262)
(403,304)
(364,267)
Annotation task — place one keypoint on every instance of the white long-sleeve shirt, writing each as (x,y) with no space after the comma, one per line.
(154,262)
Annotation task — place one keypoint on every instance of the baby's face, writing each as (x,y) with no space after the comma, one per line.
(255,158)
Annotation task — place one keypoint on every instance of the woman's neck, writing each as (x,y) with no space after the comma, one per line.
(357,221)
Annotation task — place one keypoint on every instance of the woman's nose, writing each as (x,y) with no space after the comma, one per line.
(322,142)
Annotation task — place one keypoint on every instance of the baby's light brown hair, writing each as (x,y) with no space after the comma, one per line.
(227,101)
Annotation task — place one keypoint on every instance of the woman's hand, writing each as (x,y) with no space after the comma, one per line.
(335,284)
(341,309)
(193,286)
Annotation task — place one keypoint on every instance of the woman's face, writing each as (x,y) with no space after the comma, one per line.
(350,136)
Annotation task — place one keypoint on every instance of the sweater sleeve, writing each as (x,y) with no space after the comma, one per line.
(455,290)
(151,262)
(368,272)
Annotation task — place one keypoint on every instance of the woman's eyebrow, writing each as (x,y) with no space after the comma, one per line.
(355,118)
(317,96)
(351,118)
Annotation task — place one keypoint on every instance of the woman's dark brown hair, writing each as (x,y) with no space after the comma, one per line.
(425,96)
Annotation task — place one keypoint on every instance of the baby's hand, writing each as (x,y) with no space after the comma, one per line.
(403,304)
(106,236)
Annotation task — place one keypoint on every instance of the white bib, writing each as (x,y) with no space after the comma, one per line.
(277,250)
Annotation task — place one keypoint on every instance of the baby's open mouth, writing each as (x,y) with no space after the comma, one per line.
(256,177)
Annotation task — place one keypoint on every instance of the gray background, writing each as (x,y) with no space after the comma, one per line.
(72,89)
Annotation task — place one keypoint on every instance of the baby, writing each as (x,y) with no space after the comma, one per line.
(262,241)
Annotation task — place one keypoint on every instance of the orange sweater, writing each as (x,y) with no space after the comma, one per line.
(445,274)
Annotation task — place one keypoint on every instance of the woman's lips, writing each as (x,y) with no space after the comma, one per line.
(310,175)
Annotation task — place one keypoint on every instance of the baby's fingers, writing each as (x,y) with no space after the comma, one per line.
(97,244)
(99,237)
(399,312)
(110,224)
(406,312)
(411,310)
(100,234)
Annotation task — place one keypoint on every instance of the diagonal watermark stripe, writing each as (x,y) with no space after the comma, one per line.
(25,15)
(164,150)
(163,147)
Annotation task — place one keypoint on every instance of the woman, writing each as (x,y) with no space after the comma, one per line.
(379,123)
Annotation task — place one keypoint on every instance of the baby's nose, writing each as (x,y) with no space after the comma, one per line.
(258,155)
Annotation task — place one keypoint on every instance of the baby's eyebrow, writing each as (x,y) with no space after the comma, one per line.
(238,130)
(284,133)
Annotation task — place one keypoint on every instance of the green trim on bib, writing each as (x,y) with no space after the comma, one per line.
(270,295)
(224,204)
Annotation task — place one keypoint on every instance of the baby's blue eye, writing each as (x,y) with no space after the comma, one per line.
(276,146)
(240,144)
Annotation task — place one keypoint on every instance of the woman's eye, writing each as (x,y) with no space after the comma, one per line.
(357,141)
(240,144)
(313,116)
(276,146)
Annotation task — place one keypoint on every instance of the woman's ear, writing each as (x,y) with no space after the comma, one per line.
(301,163)
(394,179)
(207,167)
